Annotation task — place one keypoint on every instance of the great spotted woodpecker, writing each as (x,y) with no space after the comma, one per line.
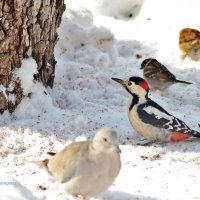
(148,118)
(157,75)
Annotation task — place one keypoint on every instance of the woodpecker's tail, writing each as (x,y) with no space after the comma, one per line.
(195,133)
(180,136)
(179,81)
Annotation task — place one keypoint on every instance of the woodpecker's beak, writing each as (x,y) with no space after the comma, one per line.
(122,82)
(118,80)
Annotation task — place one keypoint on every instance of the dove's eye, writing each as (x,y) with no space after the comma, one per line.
(105,139)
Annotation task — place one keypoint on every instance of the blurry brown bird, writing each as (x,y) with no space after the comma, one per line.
(88,168)
(189,42)
(157,75)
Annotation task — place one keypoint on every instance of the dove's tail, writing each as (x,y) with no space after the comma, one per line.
(43,164)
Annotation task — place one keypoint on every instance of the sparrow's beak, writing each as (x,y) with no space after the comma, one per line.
(142,65)
(118,80)
(116,148)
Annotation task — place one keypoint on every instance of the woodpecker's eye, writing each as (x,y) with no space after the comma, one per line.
(129,83)
(105,139)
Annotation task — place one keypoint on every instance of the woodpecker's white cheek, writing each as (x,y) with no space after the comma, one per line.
(132,88)
(135,89)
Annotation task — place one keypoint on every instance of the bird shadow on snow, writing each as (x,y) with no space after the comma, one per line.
(119,195)
(192,145)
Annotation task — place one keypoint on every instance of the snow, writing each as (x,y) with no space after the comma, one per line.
(115,8)
(94,46)
(25,74)
(11,189)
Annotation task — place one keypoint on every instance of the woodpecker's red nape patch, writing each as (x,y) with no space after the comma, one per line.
(144,85)
(177,136)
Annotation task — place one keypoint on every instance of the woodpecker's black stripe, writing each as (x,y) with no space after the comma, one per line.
(135,101)
(128,90)
(155,105)
(174,124)
(151,118)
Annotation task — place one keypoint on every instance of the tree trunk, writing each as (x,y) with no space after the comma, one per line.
(27,29)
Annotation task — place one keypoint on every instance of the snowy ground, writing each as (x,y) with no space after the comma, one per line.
(84,99)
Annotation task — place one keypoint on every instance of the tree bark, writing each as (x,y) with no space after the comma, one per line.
(27,29)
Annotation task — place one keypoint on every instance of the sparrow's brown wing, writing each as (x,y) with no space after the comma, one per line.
(156,70)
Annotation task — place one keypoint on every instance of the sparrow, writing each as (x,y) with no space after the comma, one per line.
(148,118)
(157,75)
(189,42)
(87,168)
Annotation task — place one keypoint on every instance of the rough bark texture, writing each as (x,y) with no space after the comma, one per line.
(27,29)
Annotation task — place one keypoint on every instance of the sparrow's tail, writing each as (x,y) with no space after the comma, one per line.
(179,81)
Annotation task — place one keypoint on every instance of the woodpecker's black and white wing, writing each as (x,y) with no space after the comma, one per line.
(153,114)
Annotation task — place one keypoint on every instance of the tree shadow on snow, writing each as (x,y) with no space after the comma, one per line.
(135,49)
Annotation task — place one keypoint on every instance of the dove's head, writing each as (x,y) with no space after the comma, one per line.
(107,138)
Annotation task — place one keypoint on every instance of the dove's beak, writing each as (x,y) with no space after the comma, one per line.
(118,149)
